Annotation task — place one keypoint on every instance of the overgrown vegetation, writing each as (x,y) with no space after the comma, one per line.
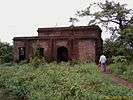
(5,53)
(59,81)
(123,71)
(121,68)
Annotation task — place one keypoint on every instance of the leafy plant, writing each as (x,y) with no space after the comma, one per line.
(5,53)
(37,61)
(119,59)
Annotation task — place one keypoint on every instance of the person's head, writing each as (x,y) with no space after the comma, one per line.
(102,54)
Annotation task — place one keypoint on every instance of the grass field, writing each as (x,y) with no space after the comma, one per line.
(59,82)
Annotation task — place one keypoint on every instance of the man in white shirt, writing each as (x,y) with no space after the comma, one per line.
(102,62)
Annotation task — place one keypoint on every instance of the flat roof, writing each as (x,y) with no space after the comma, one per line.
(96,27)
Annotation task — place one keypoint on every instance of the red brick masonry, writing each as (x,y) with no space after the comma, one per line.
(81,42)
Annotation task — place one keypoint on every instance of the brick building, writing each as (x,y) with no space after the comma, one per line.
(61,44)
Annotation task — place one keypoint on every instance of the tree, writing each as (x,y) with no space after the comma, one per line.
(127,37)
(5,53)
(114,16)
(119,20)
(118,48)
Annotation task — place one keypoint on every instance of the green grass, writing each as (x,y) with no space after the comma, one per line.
(59,82)
(124,71)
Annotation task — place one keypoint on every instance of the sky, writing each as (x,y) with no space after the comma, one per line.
(23,17)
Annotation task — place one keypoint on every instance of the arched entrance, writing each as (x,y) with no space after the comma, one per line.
(62,54)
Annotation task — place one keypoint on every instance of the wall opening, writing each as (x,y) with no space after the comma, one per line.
(40,52)
(62,54)
(22,55)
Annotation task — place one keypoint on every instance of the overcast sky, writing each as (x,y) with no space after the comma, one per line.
(24,17)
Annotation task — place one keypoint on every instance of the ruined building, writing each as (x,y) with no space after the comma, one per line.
(61,44)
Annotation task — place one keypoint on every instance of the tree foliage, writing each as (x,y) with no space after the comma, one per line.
(118,19)
(5,52)
(113,16)
(127,37)
(117,49)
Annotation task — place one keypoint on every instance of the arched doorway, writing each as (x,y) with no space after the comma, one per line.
(62,54)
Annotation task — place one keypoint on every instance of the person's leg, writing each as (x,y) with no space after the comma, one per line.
(101,67)
(104,67)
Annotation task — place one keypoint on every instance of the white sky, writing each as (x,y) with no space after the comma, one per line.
(24,17)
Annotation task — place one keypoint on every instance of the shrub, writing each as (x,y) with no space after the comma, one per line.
(119,59)
(5,53)
(118,68)
(128,75)
(74,62)
(37,61)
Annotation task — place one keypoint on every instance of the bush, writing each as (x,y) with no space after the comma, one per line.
(118,68)
(75,62)
(119,59)
(128,75)
(5,53)
(117,48)
(37,61)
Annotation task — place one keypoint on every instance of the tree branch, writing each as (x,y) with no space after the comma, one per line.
(108,21)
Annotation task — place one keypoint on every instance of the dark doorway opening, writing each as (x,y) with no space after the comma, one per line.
(62,54)
(22,55)
(40,52)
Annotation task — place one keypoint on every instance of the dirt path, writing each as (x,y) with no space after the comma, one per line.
(118,80)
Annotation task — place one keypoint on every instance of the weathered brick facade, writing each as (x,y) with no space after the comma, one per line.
(75,43)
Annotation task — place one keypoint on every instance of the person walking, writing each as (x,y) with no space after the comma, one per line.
(102,62)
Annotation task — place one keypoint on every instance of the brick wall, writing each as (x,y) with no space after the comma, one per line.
(86,50)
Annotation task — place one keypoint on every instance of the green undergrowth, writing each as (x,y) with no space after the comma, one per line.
(123,70)
(59,82)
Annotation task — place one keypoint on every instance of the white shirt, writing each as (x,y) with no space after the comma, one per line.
(102,59)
